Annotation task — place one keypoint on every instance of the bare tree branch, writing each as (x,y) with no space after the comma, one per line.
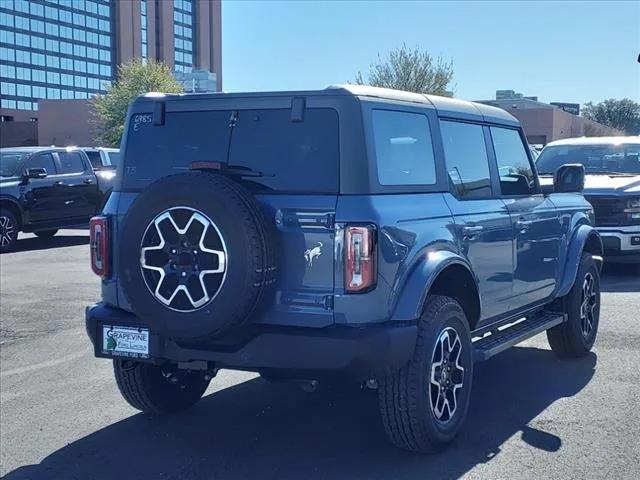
(412,70)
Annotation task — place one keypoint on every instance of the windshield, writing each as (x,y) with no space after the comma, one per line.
(9,163)
(114,158)
(610,159)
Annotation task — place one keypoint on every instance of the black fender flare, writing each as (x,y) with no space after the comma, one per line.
(584,236)
(412,292)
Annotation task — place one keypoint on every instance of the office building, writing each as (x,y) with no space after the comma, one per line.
(70,49)
(546,122)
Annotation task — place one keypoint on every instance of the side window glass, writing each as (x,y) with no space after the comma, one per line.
(466,158)
(516,174)
(44,160)
(404,151)
(70,162)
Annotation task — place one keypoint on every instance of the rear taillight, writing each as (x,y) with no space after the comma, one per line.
(360,258)
(99,242)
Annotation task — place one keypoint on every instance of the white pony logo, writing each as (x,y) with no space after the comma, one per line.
(312,253)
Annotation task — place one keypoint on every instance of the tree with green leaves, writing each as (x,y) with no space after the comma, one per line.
(412,70)
(621,114)
(134,78)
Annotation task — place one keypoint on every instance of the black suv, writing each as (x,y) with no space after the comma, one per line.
(43,189)
(391,237)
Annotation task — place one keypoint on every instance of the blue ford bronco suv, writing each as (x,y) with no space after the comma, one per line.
(355,231)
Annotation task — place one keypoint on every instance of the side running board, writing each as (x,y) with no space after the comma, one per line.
(499,340)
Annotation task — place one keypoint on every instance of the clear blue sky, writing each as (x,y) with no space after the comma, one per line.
(561,51)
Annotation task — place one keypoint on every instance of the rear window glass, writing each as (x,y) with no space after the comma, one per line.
(156,151)
(284,155)
(404,152)
(292,156)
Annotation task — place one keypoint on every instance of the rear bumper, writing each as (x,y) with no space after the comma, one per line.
(621,244)
(357,352)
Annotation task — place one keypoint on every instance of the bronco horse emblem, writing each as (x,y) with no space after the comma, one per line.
(312,253)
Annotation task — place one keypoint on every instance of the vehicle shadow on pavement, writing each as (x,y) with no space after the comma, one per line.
(620,278)
(58,241)
(262,430)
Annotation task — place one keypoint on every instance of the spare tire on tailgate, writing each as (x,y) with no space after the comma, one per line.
(195,255)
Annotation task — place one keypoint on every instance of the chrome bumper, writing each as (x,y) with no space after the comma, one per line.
(623,239)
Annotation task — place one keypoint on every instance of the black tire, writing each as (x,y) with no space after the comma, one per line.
(150,388)
(46,233)
(8,230)
(407,396)
(241,229)
(572,338)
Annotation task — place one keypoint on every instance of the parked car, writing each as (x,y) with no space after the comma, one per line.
(535,153)
(104,162)
(350,231)
(102,158)
(612,186)
(43,189)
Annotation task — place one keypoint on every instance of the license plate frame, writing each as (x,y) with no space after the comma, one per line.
(128,342)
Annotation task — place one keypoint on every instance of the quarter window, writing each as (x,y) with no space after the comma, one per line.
(516,174)
(404,152)
(94,158)
(466,158)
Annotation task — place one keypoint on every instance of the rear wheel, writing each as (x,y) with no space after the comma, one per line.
(8,230)
(423,406)
(46,233)
(159,389)
(576,336)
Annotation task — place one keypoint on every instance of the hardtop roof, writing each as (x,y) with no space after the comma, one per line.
(445,106)
(35,149)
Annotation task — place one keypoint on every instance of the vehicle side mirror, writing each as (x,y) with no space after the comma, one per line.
(569,178)
(36,173)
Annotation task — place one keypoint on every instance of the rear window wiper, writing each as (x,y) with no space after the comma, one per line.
(237,170)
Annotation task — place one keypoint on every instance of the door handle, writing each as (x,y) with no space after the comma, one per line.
(523,225)
(88,181)
(471,231)
(59,182)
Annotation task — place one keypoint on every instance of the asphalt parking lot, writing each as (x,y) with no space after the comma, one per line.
(61,416)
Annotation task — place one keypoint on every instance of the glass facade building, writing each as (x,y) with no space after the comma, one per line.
(54,49)
(183,27)
(69,50)
(144,32)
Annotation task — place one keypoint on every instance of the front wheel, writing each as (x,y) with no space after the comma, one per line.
(424,404)
(8,230)
(159,389)
(46,233)
(576,336)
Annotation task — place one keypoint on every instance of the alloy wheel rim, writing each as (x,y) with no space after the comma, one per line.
(7,231)
(588,305)
(446,376)
(183,259)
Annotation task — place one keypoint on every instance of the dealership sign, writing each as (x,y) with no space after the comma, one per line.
(572,108)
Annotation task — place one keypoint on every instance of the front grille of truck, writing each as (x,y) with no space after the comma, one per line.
(609,211)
